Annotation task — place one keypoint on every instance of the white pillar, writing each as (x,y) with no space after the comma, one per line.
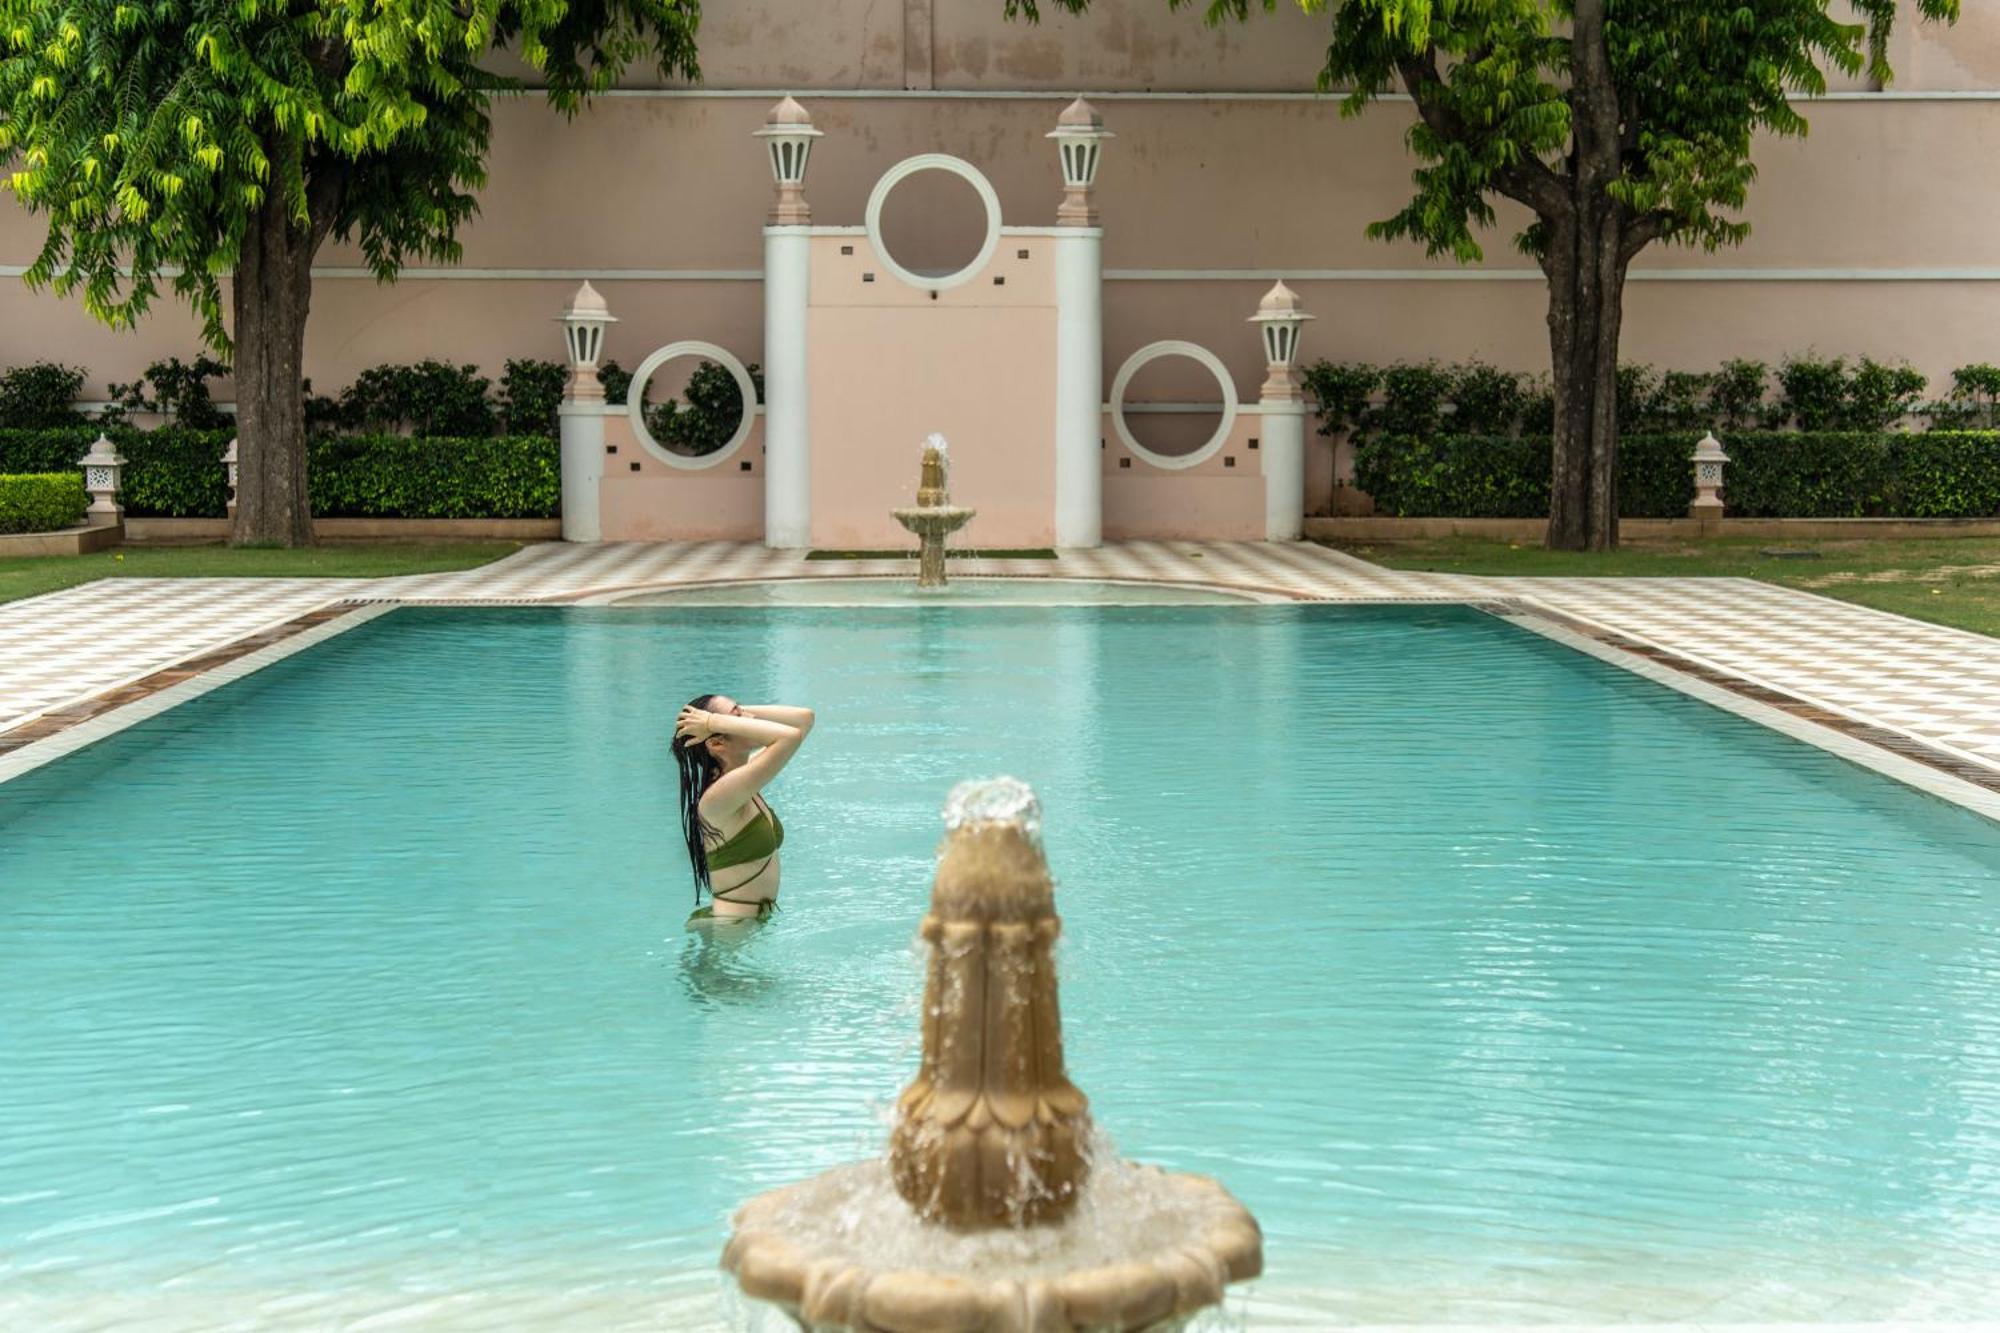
(581,427)
(1284,449)
(1079,253)
(787,436)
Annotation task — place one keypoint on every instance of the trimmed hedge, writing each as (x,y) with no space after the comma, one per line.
(1771,474)
(41,502)
(395,476)
(174,472)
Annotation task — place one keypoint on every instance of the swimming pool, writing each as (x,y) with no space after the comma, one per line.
(1504,986)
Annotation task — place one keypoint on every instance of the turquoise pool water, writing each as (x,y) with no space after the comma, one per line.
(1503,985)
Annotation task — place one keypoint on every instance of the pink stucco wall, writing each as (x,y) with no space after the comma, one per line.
(890,365)
(644,499)
(1218,499)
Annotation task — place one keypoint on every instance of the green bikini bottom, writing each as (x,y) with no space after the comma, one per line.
(766,909)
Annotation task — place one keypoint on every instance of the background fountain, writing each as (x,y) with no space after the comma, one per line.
(994,1211)
(934,518)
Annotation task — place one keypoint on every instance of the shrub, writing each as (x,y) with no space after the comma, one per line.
(530,393)
(1972,404)
(1771,474)
(1485,400)
(397,476)
(41,502)
(40,395)
(180,391)
(430,398)
(713,411)
(1736,395)
(1342,390)
(174,472)
(1817,394)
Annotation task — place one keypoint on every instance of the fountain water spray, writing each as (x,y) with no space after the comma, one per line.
(992,1214)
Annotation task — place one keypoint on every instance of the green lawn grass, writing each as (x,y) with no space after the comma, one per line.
(1948,580)
(28,576)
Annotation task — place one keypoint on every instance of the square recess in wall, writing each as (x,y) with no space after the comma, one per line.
(635,467)
(1124,462)
(1229,460)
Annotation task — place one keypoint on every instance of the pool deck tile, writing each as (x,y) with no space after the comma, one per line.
(1937,686)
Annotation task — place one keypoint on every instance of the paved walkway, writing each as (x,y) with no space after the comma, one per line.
(1938,686)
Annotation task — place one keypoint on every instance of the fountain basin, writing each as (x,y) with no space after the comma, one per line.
(1146,1249)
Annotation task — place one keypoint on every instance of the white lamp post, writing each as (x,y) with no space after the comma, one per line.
(583,339)
(788,134)
(101,469)
(1280,316)
(1709,461)
(229,461)
(1079,136)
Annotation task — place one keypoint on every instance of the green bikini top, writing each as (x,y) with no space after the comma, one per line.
(756,840)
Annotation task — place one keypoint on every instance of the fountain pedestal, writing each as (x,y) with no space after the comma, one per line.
(934,517)
(991,1214)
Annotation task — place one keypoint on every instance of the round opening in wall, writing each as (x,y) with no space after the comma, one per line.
(1183,447)
(934,221)
(698,414)
(1172,407)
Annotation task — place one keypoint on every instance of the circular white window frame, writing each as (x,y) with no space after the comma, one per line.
(909,167)
(1152,352)
(635,404)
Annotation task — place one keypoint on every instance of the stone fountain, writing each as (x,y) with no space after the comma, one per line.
(998,1209)
(935,517)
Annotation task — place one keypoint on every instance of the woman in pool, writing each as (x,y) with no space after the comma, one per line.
(727,752)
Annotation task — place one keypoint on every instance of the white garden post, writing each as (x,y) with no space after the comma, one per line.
(1280,316)
(788,134)
(101,469)
(1079,256)
(229,462)
(580,418)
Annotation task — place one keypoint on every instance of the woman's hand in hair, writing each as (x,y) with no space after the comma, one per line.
(693,725)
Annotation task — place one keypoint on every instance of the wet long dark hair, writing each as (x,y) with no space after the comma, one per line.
(699,770)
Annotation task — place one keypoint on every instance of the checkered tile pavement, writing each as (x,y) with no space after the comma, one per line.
(1939,685)
(69,645)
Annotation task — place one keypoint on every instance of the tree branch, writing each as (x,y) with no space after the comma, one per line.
(1527,181)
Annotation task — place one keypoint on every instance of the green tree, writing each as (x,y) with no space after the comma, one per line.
(192,141)
(1616,123)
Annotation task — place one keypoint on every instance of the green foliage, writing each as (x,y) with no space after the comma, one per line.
(1771,474)
(711,414)
(429,398)
(530,393)
(39,395)
(617,381)
(1821,394)
(151,135)
(180,391)
(173,472)
(41,502)
(1736,395)
(395,476)
(1972,404)
(54,449)
(1342,390)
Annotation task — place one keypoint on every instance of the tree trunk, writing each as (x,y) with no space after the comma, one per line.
(1586,272)
(272,291)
